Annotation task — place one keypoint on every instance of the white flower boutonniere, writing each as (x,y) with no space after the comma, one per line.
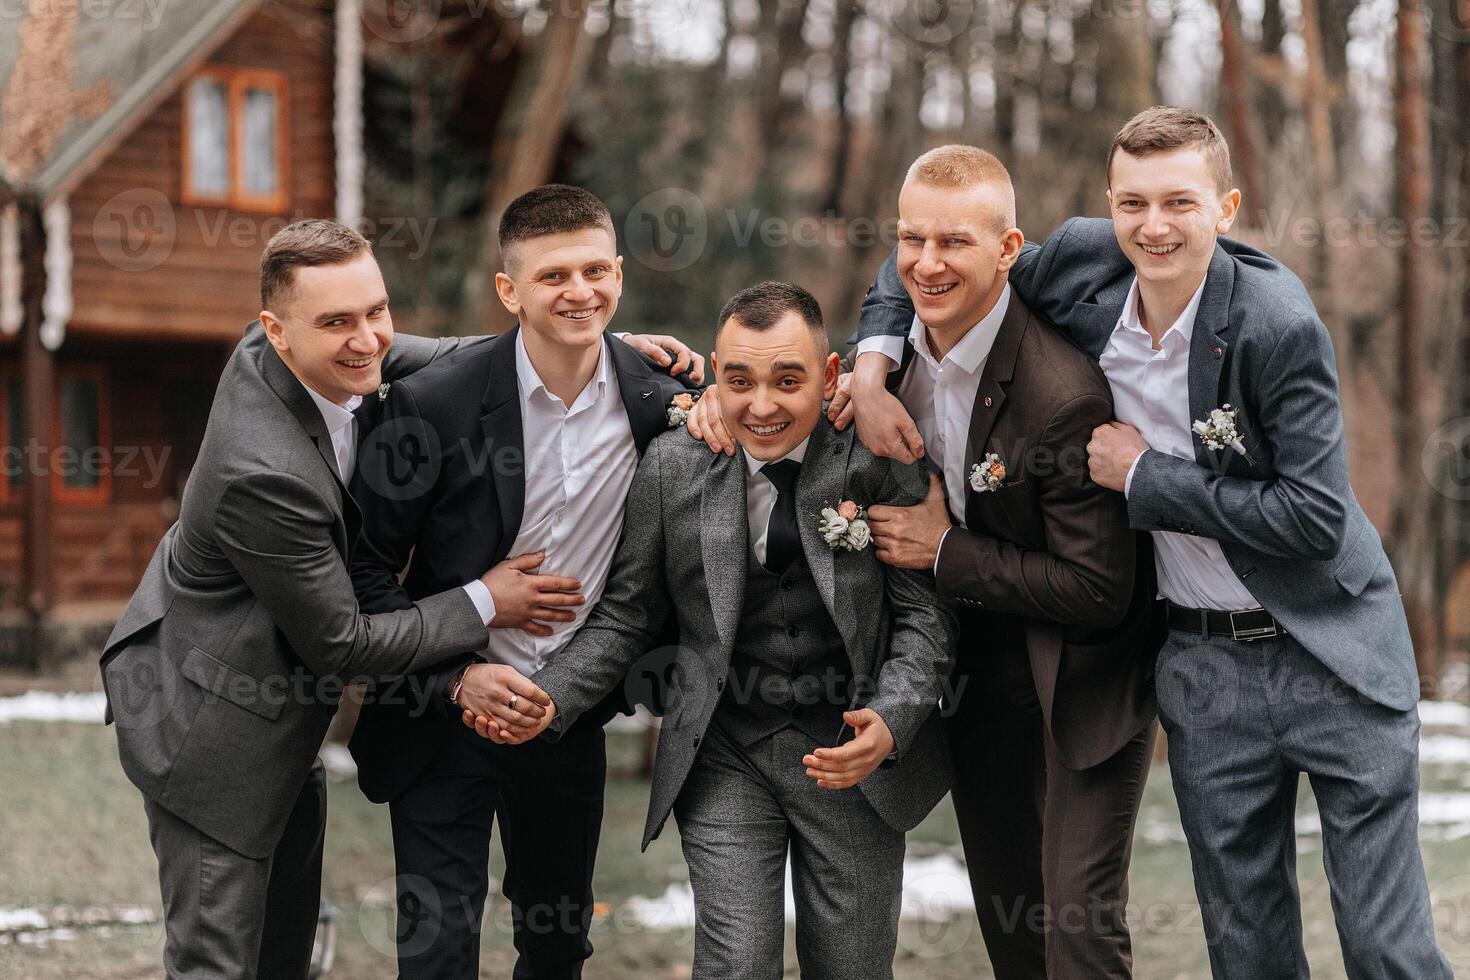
(988,474)
(1218,432)
(846,527)
(679,407)
(383,391)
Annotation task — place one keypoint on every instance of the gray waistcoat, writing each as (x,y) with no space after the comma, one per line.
(789,665)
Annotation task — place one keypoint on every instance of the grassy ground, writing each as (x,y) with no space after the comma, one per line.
(72,834)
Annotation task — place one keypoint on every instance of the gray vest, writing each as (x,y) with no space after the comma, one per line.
(789,665)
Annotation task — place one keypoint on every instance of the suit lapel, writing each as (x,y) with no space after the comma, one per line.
(724,540)
(1207,348)
(646,408)
(291,391)
(500,420)
(995,379)
(821,484)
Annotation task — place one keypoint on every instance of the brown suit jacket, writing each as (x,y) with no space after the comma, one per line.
(1047,561)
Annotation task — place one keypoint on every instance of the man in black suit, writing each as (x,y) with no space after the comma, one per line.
(522,449)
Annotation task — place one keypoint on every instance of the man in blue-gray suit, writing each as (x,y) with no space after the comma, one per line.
(1288,648)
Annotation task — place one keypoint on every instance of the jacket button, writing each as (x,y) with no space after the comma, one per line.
(720,684)
(792,632)
(696,740)
(788,585)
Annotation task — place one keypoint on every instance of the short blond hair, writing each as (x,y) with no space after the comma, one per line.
(959,165)
(1170,127)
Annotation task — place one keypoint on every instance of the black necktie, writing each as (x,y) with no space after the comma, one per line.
(783,542)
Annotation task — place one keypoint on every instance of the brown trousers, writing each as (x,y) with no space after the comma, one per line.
(1047,848)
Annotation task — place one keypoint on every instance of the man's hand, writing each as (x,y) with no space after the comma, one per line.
(658,345)
(500,693)
(851,763)
(489,728)
(527,601)
(1111,453)
(883,423)
(840,411)
(909,537)
(706,424)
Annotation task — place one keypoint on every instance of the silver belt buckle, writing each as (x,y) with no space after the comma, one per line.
(1254,633)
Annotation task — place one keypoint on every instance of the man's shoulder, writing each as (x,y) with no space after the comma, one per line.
(1053,368)
(448,380)
(1269,297)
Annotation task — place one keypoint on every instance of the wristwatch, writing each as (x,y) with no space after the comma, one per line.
(456,684)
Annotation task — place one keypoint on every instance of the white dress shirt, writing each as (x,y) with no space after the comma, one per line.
(1151,393)
(760,498)
(580,461)
(342,426)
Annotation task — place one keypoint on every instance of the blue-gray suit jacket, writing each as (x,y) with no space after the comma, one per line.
(1288,522)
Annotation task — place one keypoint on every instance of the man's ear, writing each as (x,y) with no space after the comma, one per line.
(505,288)
(831,371)
(1229,208)
(1010,249)
(275,332)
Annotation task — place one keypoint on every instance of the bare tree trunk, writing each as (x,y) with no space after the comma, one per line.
(841,68)
(526,143)
(1316,100)
(782,48)
(1411,158)
(1238,80)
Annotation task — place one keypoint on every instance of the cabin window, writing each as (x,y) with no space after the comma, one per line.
(235,139)
(80,462)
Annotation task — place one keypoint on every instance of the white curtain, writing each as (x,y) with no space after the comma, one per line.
(209,137)
(260,141)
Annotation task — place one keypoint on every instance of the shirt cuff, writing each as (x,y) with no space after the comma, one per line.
(1128,480)
(479,594)
(940,550)
(889,347)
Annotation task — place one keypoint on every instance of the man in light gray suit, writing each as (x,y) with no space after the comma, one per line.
(226,667)
(1288,649)
(792,636)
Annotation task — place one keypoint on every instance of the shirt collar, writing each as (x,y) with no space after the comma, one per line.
(1182,327)
(337,417)
(974,347)
(530,381)
(754,466)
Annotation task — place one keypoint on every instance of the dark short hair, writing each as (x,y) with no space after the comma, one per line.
(1168,127)
(552,209)
(762,306)
(315,241)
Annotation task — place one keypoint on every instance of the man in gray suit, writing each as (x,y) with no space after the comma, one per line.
(792,637)
(225,670)
(1288,650)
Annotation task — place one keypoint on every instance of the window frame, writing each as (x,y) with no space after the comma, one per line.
(236,81)
(101,494)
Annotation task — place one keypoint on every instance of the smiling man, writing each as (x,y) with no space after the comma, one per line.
(1288,651)
(518,453)
(802,717)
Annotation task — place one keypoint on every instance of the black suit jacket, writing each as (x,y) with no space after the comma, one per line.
(441,482)
(1047,564)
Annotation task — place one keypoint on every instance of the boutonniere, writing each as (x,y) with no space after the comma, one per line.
(679,408)
(1218,431)
(988,474)
(383,391)
(846,527)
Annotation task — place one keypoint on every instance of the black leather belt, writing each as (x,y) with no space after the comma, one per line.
(1255,624)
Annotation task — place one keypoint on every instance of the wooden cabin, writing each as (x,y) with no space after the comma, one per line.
(143,166)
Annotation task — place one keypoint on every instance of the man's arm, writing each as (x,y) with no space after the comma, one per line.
(921,641)
(1302,511)
(630,618)
(276,530)
(1085,575)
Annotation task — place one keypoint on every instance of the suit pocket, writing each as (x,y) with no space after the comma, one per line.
(236,687)
(1358,561)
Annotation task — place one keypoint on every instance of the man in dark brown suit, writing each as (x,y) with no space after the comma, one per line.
(1053,721)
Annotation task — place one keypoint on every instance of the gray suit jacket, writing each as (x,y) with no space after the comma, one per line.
(226,667)
(682,562)
(1289,525)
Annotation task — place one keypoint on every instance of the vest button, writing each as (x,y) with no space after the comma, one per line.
(792,632)
(720,684)
(696,740)
(788,585)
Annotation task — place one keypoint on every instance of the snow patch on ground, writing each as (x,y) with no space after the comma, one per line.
(48,706)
